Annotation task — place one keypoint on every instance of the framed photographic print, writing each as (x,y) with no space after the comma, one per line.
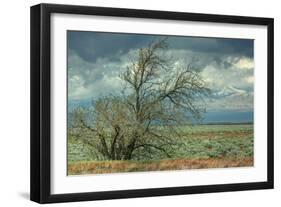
(133,103)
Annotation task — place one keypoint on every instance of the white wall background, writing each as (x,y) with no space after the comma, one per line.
(14,103)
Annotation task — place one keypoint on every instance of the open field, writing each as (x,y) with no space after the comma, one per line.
(202,146)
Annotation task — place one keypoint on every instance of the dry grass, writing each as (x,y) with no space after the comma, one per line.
(98,167)
(210,135)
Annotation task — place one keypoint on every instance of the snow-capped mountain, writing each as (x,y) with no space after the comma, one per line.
(231,91)
(231,99)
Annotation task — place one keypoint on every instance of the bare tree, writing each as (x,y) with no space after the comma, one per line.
(157,98)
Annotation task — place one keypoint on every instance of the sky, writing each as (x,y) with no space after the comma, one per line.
(95,60)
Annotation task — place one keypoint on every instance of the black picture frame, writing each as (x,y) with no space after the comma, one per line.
(41,99)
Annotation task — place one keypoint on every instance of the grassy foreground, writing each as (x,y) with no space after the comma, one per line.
(98,167)
(203,146)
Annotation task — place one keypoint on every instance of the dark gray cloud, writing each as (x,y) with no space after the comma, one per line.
(92,45)
(242,47)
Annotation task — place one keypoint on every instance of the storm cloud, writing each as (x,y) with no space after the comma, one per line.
(96,59)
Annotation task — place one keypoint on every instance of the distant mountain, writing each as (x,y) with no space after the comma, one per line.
(231,91)
(229,96)
(231,99)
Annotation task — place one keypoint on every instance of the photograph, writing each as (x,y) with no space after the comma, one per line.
(154,102)
(129,103)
